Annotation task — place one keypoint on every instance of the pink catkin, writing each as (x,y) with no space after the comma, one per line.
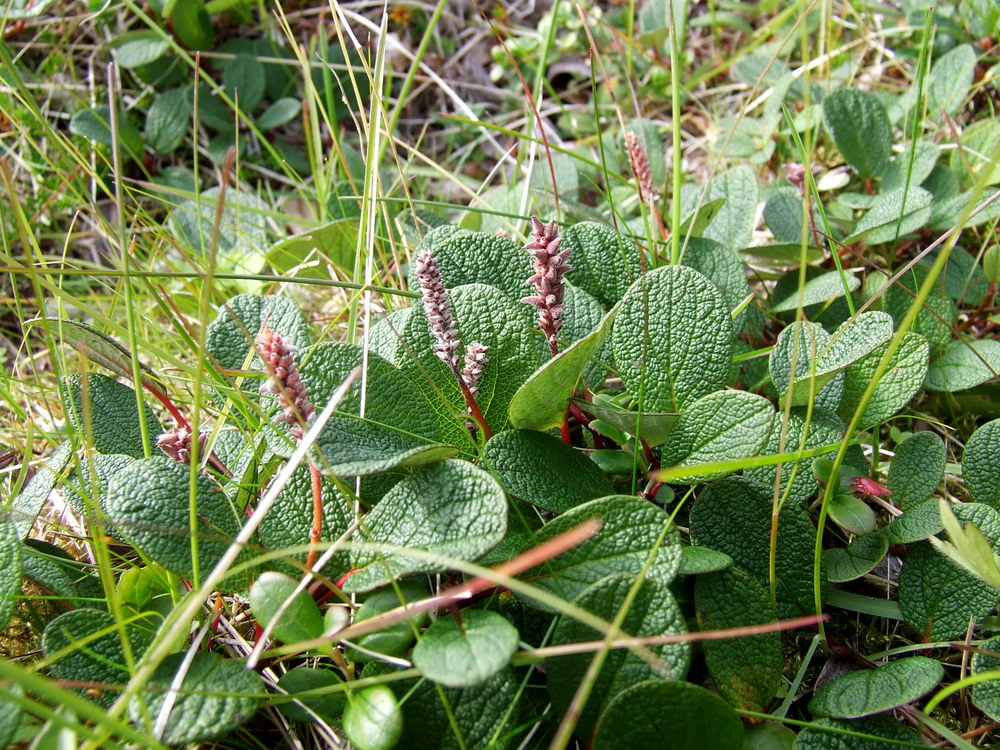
(549,265)
(176,443)
(475,361)
(284,380)
(640,165)
(437,306)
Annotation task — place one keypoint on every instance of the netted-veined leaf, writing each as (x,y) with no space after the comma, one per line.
(328,706)
(654,712)
(746,670)
(672,339)
(434,715)
(870,691)
(10,569)
(310,253)
(935,319)
(653,611)
(823,288)
(902,378)
(290,618)
(733,516)
(466,653)
(216,695)
(857,558)
(541,402)
(481,258)
(720,426)
(733,224)
(720,265)
(893,214)
(918,521)
(804,342)
(106,411)
(974,161)
(630,529)
(860,127)
(965,364)
(28,504)
(544,471)
(486,315)
(917,468)
(98,660)
(604,262)
(911,167)
(288,522)
(981,464)
(937,597)
(986,695)
(231,336)
(373,719)
(950,78)
(392,640)
(451,508)
(148,502)
(696,560)
(840,734)
(360,447)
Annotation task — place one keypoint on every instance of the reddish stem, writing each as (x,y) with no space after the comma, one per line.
(470,401)
(564,430)
(164,399)
(317,524)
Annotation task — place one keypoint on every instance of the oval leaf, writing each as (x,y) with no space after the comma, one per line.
(467,653)
(871,691)
(296,618)
(981,465)
(372,719)
(860,127)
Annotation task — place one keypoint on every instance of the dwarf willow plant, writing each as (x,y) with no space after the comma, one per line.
(645,453)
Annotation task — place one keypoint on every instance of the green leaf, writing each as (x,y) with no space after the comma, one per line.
(981,465)
(964,365)
(860,127)
(467,653)
(192,25)
(806,343)
(918,522)
(969,548)
(973,162)
(733,224)
(432,714)
(851,514)
(653,612)
(672,339)
(29,503)
(541,402)
(137,48)
(100,349)
(870,691)
(243,78)
(911,167)
(373,719)
(109,414)
(894,214)
(986,695)
(604,262)
(725,269)
(168,121)
(824,429)
(216,695)
(630,528)
(393,640)
(19,9)
(717,427)
(733,516)
(481,258)
(280,113)
(950,79)
(484,314)
(95,125)
(296,618)
(829,734)
(10,569)
(653,427)
(856,559)
(696,560)
(360,447)
(148,503)
(768,736)
(99,660)
(648,135)
(783,215)
(746,670)
(937,597)
(242,236)
(328,706)
(917,469)
(544,470)
(902,378)
(10,713)
(697,219)
(933,321)
(652,712)
(52,568)
(823,288)
(230,337)
(290,519)
(450,508)
(782,255)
